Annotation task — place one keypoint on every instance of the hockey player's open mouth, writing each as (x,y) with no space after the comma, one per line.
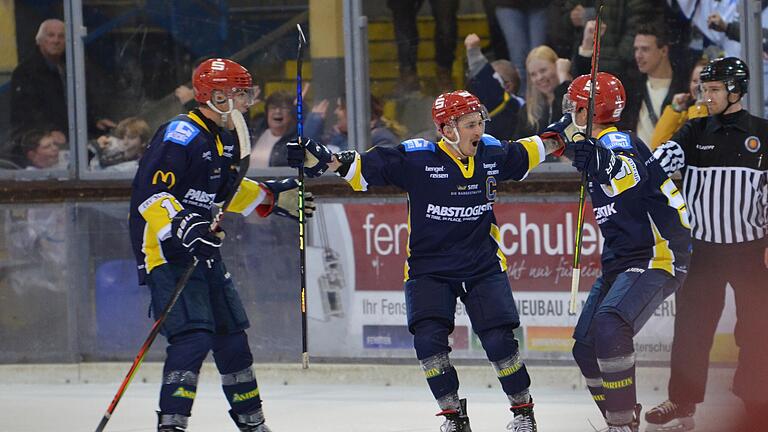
(475,143)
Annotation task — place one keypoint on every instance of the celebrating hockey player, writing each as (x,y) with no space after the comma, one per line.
(644,221)
(453,245)
(188,170)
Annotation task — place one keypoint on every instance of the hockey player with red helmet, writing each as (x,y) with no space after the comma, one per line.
(454,245)
(187,170)
(644,221)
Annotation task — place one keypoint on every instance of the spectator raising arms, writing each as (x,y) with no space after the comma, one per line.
(384,132)
(496,85)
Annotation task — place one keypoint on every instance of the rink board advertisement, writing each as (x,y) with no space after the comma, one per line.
(355,274)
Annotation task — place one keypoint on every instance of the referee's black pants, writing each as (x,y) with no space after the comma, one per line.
(699,304)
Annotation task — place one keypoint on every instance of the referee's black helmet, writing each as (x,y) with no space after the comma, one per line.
(732,71)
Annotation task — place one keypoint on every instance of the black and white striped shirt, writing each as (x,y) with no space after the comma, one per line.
(724,162)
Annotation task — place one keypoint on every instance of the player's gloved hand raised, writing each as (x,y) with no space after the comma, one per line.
(315,158)
(285,200)
(194,233)
(597,161)
(557,131)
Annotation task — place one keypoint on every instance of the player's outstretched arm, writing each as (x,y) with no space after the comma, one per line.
(379,166)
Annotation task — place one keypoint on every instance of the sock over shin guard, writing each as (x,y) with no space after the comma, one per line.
(514,379)
(616,359)
(234,361)
(442,380)
(619,386)
(587,360)
(185,355)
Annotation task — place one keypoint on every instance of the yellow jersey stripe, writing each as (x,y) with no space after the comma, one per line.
(199,121)
(248,196)
(496,235)
(355,175)
(535,148)
(153,253)
(467,171)
(158,210)
(406,268)
(500,106)
(627,178)
(663,257)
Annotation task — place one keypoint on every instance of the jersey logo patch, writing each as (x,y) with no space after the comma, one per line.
(616,141)
(490,140)
(181,132)
(418,144)
(752,144)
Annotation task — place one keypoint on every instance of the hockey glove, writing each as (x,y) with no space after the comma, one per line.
(284,196)
(557,131)
(315,158)
(194,233)
(597,161)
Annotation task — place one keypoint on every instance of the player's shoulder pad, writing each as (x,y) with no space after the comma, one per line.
(181,131)
(418,144)
(616,141)
(490,141)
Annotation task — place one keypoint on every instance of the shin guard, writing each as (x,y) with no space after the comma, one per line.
(618,375)
(443,380)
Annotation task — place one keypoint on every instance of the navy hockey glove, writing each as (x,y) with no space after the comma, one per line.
(194,233)
(315,158)
(285,199)
(557,131)
(597,161)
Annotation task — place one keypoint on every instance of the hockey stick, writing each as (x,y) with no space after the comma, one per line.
(582,188)
(302,217)
(244,140)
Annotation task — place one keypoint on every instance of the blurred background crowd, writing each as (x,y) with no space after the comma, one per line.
(518,56)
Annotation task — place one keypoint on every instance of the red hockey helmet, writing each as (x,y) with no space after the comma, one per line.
(610,97)
(448,107)
(220,75)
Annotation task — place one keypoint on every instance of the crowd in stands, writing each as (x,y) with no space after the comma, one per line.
(520,73)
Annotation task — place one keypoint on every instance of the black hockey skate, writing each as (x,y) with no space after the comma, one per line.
(524,420)
(456,420)
(670,416)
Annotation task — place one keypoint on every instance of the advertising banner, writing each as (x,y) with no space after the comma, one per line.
(355,284)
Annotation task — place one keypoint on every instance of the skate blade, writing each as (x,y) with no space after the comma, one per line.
(677,425)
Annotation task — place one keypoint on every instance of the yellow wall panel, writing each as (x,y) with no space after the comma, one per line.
(8,53)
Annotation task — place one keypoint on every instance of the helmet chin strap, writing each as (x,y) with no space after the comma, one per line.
(224,114)
(582,129)
(455,143)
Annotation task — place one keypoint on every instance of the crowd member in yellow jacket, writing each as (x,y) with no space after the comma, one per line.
(684,106)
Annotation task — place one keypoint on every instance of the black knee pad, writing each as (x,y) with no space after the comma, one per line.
(430,337)
(586,359)
(613,336)
(499,342)
(232,353)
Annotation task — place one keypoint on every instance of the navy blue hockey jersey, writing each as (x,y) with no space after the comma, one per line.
(641,213)
(189,164)
(452,229)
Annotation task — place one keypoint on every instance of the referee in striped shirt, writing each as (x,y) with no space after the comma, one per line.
(724,162)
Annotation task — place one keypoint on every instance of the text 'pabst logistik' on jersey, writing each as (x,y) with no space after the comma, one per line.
(457,214)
